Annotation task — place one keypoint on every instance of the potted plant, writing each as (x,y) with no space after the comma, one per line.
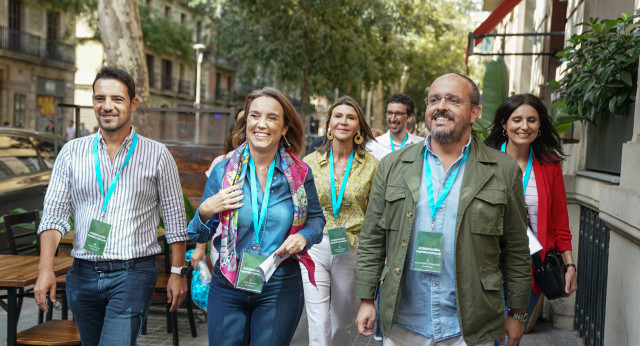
(599,86)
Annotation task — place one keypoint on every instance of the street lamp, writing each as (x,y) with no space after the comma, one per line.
(199,48)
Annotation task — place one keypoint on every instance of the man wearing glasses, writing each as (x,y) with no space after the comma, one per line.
(449,216)
(399,111)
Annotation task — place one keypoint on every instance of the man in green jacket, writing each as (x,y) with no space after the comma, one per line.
(449,217)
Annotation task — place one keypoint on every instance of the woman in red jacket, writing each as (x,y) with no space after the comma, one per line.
(522,128)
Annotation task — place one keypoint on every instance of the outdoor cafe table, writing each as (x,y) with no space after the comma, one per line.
(18,272)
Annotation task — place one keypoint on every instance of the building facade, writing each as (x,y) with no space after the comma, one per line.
(603,187)
(37,64)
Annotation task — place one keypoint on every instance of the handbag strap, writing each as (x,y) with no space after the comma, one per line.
(537,260)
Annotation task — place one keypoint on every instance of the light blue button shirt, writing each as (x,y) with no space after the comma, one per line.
(277,223)
(428,301)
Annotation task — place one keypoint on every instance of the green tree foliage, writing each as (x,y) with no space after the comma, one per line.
(165,36)
(320,45)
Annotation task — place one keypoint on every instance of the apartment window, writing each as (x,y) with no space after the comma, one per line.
(53,27)
(167,73)
(183,18)
(198,31)
(151,70)
(19,110)
(167,11)
(15,24)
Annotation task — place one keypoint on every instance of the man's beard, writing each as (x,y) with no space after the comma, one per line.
(448,136)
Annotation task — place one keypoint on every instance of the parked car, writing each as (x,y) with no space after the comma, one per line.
(26,161)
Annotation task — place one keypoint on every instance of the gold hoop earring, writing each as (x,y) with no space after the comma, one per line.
(358,138)
(504,133)
(286,141)
(329,134)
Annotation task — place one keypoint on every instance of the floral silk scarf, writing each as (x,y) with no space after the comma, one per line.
(295,173)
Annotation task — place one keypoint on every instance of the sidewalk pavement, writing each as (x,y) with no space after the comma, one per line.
(543,334)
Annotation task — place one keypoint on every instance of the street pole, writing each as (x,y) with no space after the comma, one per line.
(199,47)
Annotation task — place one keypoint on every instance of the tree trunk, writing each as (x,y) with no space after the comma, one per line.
(121,36)
(378,108)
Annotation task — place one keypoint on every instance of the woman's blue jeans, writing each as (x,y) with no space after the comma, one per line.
(237,317)
(110,307)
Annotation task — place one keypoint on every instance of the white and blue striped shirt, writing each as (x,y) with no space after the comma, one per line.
(147,185)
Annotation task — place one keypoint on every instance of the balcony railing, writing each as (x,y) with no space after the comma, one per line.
(168,83)
(184,87)
(35,46)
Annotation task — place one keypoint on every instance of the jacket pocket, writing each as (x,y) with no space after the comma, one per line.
(394,202)
(487,210)
(492,281)
(383,276)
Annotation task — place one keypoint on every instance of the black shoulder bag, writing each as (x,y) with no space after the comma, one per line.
(550,274)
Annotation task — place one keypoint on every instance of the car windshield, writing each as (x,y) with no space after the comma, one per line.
(17,156)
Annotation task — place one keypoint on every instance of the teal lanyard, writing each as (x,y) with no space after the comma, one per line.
(337,202)
(434,206)
(96,162)
(403,142)
(527,172)
(258,221)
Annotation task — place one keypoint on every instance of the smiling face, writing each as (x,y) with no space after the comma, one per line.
(397,118)
(265,124)
(522,126)
(449,123)
(112,105)
(344,123)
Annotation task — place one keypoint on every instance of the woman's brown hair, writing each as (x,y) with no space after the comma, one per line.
(365,130)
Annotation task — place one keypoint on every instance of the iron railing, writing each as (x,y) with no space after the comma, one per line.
(36,46)
(591,296)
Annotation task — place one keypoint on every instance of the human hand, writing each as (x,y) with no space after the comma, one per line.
(571,281)
(294,244)
(198,255)
(225,199)
(366,317)
(176,291)
(46,283)
(514,329)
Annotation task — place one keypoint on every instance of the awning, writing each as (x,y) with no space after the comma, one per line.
(490,23)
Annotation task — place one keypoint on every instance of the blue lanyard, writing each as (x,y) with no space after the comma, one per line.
(96,163)
(527,172)
(257,222)
(337,202)
(434,206)
(403,142)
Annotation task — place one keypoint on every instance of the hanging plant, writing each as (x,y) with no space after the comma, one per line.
(602,67)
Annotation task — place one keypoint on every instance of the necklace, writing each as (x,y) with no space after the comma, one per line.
(263,169)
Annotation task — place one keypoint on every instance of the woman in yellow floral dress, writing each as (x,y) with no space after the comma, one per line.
(343,172)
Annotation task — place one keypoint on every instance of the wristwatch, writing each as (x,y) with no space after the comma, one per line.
(182,271)
(520,317)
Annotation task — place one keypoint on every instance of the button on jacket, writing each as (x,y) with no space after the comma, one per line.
(490,237)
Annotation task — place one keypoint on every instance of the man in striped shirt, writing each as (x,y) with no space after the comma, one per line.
(114,182)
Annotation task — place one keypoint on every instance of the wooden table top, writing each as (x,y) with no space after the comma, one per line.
(21,271)
(68,238)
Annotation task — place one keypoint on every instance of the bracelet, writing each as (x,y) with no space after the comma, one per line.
(566,266)
(201,245)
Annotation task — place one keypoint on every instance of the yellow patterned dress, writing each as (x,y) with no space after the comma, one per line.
(354,202)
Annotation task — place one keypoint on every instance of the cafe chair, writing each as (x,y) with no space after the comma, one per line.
(161,290)
(22,236)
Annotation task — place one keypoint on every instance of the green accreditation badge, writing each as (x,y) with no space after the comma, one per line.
(249,278)
(428,255)
(338,241)
(97,237)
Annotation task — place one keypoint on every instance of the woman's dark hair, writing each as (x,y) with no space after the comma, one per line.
(365,130)
(295,134)
(546,147)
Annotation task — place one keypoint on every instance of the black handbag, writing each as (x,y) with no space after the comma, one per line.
(550,274)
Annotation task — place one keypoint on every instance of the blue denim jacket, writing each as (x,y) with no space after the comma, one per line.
(277,223)
(428,301)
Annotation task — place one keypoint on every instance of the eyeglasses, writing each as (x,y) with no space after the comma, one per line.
(450,100)
(396,114)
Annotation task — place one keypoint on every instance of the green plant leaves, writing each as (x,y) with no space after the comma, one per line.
(602,66)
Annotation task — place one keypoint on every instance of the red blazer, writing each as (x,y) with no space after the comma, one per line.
(553,218)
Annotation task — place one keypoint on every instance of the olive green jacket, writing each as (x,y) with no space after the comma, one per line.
(490,237)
